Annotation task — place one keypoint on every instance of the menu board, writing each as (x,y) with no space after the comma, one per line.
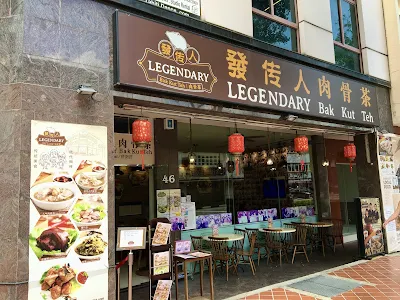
(370,233)
(68,222)
(389,163)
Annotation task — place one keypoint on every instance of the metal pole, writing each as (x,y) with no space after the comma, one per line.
(119,284)
(130,266)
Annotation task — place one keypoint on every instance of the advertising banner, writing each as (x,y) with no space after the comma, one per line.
(68,223)
(370,233)
(176,61)
(389,162)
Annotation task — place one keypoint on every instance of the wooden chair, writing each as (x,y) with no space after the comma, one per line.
(238,245)
(316,236)
(335,232)
(242,254)
(222,255)
(274,244)
(260,243)
(198,245)
(299,241)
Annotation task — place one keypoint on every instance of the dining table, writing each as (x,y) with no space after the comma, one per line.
(318,233)
(228,237)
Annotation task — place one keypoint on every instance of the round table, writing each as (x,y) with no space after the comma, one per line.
(231,237)
(320,224)
(279,230)
(320,236)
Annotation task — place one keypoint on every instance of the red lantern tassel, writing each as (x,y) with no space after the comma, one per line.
(351,167)
(142,157)
(237,167)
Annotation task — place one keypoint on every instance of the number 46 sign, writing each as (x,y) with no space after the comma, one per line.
(168,179)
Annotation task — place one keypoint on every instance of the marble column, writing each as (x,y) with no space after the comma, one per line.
(321,177)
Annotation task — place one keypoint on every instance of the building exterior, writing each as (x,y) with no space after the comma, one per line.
(49,48)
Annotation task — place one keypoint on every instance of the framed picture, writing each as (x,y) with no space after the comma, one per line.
(131,238)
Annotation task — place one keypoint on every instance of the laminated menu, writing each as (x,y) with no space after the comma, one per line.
(163,290)
(161,234)
(161,263)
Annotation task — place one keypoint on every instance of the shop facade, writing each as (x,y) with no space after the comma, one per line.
(198,84)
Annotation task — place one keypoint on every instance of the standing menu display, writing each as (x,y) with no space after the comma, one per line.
(369,227)
(68,224)
(389,163)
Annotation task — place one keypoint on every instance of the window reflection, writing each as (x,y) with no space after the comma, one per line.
(335,21)
(274,33)
(347,59)
(349,24)
(285,9)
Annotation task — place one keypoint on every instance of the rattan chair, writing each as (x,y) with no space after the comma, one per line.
(221,255)
(241,255)
(260,243)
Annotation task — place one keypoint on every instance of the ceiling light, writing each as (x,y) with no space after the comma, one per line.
(289,117)
(270,162)
(192,158)
(325,163)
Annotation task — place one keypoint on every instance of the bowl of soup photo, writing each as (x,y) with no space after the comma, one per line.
(54,196)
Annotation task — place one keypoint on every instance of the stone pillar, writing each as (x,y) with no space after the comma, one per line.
(320,177)
(367,171)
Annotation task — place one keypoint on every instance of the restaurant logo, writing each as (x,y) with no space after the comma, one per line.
(51,137)
(177,65)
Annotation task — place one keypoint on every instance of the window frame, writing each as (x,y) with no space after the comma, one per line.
(282,21)
(342,44)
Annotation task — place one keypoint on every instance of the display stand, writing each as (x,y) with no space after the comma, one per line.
(185,262)
(153,249)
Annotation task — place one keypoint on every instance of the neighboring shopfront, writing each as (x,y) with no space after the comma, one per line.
(207,81)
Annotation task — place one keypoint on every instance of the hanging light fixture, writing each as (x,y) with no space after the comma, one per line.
(325,162)
(192,155)
(301,147)
(236,147)
(350,152)
(141,135)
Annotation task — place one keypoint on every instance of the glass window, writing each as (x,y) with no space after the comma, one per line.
(335,21)
(274,22)
(345,34)
(274,33)
(347,59)
(349,24)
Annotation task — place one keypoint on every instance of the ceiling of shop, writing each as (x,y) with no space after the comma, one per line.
(209,138)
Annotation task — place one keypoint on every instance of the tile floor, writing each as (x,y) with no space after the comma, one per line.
(380,279)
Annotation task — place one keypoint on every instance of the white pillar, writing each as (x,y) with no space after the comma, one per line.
(373,38)
(315,29)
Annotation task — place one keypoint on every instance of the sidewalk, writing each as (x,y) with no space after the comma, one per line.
(364,280)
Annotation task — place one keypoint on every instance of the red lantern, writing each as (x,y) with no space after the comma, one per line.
(236,148)
(141,135)
(350,153)
(301,146)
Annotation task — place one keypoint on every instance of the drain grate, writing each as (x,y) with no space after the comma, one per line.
(327,286)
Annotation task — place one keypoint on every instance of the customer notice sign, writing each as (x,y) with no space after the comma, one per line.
(189,8)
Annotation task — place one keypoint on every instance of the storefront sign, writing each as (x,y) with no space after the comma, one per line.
(68,223)
(389,163)
(176,61)
(127,154)
(189,8)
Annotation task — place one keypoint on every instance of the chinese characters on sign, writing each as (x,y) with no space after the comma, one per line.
(126,153)
(192,65)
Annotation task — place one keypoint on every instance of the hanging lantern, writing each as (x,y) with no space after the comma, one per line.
(301,147)
(141,135)
(350,153)
(236,148)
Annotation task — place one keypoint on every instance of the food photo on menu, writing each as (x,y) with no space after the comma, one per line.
(90,246)
(61,282)
(54,193)
(162,290)
(161,263)
(88,212)
(52,237)
(91,177)
(161,234)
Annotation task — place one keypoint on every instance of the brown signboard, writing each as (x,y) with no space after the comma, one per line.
(172,60)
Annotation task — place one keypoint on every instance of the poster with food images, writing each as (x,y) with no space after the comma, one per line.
(389,163)
(68,222)
(169,206)
(161,263)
